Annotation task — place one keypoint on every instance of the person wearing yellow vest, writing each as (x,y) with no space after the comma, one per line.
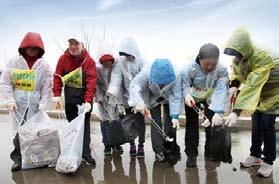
(76,71)
(26,86)
(258,71)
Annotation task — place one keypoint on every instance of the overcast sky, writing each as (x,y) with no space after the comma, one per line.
(162,28)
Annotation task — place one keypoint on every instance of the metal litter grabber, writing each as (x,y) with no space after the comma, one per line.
(199,111)
(157,127)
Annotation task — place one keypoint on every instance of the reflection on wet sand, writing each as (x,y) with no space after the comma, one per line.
(163,173)
(125,169)
(211,172)
(255,179)
(50,176)
(114,171)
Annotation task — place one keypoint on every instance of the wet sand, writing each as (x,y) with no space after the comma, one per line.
(124,169)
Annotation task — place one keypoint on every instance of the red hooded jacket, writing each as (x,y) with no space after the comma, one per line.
(31,40)
(66,64)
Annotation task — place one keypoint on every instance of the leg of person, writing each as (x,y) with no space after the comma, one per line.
(86,151)
(16,154)
(142,131)
(167,119)
(133,149)
(71,111)
(209,114)
(156,137)
(191,136)
(256,138)
(104,130)
(269,152)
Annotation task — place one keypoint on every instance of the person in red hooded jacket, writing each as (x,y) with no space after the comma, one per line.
(26,86)
(76,70)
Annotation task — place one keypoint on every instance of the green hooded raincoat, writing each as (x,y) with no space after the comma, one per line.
(259,72)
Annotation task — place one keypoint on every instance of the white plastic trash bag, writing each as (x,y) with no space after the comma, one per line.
(71,140)
(39,142)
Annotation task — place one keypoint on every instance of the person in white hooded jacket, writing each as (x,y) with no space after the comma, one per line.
(26,86)
(107,112)
(129,65)
(158,84)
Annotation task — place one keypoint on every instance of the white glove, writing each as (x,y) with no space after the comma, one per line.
(206,123)
(217,120)
(233,91)
(42,107)
(231,119)
(57,101)
(175,123)
(189,100)
(139,108)
(87,107)
(121,109)
(11,106)
(147,113)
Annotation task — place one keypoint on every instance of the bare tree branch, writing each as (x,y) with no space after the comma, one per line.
(58,45)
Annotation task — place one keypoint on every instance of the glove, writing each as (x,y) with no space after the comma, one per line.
(57,101)
(42,107)
(217,120)
(175,123)
(87,107)
(139,108)
(232,95)
(231,119)
(189,100)
(233,91)
(121,109)
(206,123)
(11,106)
(147,113)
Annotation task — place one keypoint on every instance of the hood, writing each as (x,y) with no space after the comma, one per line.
(241,42)
(106,53)
(162,72)
(32,40)
(129,46)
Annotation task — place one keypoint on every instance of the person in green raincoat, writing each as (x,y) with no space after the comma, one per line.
(259,73)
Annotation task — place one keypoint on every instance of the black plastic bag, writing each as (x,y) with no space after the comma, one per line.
(132,124)
(220,144)
(126,129)
(115,133)
(172,149)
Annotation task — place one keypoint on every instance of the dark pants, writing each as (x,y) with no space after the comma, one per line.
(263,132)
(141,133)
(192,130)
(71,113)
(104,130)
(156,138)
(16,154)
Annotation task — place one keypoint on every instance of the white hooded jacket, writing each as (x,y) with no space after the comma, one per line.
(124,71)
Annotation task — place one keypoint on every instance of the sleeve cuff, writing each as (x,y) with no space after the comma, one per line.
(174,116)
(219,112)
